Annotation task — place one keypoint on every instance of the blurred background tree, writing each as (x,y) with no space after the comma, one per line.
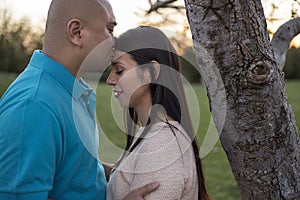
(292,64)
(18,38)
(17,41)
(170,14)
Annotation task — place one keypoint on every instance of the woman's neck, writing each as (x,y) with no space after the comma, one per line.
(143,111)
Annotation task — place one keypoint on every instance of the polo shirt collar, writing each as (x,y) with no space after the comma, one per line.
(81,88)
(60,73)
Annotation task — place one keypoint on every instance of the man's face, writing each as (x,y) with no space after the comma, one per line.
(100,41)
(111,18)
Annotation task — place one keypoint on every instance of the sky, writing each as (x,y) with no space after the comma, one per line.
(124,11)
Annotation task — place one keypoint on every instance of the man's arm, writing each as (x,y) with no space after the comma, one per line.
(136,194)
(139,193)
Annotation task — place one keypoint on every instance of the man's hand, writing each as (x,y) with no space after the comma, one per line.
(139,193)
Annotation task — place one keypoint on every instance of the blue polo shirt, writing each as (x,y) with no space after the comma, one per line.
(49,137)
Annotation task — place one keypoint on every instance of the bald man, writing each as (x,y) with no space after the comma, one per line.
(48,133)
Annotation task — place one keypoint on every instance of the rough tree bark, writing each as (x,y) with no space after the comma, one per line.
(247,96)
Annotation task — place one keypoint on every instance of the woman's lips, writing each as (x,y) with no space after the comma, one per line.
(117,93)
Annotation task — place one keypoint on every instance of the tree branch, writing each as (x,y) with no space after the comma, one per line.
(282,39)
(162,4)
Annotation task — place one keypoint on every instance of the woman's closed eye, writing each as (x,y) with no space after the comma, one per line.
(117,68)
(119,72)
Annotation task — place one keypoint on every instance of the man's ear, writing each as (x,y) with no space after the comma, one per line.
(156,68)
(74,32)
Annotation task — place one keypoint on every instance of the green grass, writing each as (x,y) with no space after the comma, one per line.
(219,179)
(293,94)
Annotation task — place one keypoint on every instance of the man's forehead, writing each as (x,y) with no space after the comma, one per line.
(110,13)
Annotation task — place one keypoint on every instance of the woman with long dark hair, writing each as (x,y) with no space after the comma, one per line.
(161,144)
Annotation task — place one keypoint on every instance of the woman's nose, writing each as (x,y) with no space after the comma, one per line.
(111,80)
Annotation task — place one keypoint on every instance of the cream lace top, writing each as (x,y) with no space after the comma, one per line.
(161,157)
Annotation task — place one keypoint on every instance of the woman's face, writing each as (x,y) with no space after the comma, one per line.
(131,84)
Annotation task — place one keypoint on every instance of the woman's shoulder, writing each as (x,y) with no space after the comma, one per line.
(164,135)
(163,145)
(165,129)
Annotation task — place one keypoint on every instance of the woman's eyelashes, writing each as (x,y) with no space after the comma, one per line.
(119,72)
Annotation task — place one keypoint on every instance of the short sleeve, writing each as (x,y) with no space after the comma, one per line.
(30,147)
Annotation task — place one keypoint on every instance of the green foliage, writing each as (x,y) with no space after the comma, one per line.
(5,81)
(292,64)
(189,66)
(17,41)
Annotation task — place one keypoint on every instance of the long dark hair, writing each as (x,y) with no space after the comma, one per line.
(146,44)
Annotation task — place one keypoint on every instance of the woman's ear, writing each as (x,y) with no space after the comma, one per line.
(156,69)
(74,32)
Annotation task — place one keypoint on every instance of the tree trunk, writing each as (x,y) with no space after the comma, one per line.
(246,89)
